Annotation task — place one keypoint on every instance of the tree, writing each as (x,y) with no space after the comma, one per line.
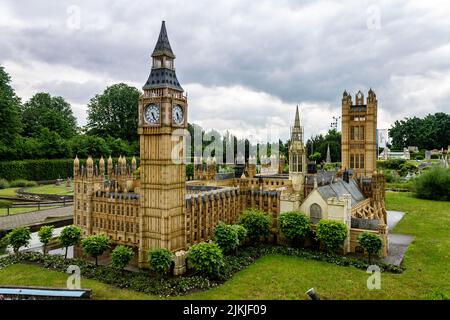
(69,236)
(95,246)
(206,258)
(371,242)
(160,261)
(241,232)
(121,257)
(331,233)
(19,237)
(294,225)
(44,111)
(316,156)
(226,237)
(433,184)
(115,112)
(45,234)
(10,117)
(257,224)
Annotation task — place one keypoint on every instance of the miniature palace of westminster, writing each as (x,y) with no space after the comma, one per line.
(158,208)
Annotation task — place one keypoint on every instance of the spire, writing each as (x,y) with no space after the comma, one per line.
(162,45)
(297,119)
(328,154)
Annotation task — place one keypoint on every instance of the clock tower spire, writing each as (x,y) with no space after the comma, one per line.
(162,112)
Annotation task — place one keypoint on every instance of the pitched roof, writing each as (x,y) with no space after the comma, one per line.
(339,188)
(163,45)
(297,119)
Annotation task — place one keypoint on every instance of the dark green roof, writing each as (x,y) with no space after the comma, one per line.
(163,46)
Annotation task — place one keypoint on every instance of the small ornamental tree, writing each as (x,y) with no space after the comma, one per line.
(206,258)
(69,236)
(294,225)
(95,246)
(121,257)
(241,233)
(331,233)
(45,234)
(371,242)
(160,261)
(226,237)
(257,224)
(19,237)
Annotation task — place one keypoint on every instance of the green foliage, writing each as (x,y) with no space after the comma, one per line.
(36,170)
(121,256)
(226,237)
(45,234)
(70,236)
(95,246)
(371,242)
(331,233)
(319,144)
(19,237)
(241,233)
(433,184)
(294,225)
(160,260)
(189,171)
(4,184)
(206,258)
(316,156)
(21,183)
(5,203)
(394,164)
(257,224)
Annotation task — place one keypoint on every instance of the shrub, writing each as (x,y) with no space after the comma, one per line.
(206,258)
(69,236)
(95,246)
(160,261)
(45,234)
(331,233)
(121,257)
(5,203)
(22,183)
(19,237)
(371,242)
(433,184)
(226,237)
(241,233)
(257,224)
(4,184)
(294,225)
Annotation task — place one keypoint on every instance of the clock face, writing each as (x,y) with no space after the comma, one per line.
(178,114)
(152,114)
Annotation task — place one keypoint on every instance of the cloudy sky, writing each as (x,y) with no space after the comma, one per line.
(244,64)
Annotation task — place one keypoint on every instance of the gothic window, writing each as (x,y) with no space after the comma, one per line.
(357,133)
(362,133)
(361,161)
(352,161)
(315,213)
(352,133)
(85,188)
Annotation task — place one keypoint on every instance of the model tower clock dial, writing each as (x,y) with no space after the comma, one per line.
(178,115)
(152,114)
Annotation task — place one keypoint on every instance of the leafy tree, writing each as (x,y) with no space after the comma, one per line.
(294,225)
(331,233)
(44,111)
(226,237)
(206,258)
(433,184)
(316,156)
(160,261)
(241,232)
(115,112)
(45,234)
(69,236)
(257,224)
(121,257)
(87,145)
(19,237)
(371,242)
(95,246)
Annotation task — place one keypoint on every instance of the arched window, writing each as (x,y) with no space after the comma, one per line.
(315,213)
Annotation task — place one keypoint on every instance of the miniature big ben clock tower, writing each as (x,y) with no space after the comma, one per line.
(162,112)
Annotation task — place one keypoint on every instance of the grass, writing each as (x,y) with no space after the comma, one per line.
(4,211)
(8,192)
(61,190)
(284,277)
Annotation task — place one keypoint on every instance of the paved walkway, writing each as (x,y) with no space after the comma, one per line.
(36,217)
(398,243)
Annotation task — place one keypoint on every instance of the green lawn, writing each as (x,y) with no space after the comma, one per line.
(52,189)
(283,277)
(8,192)
(4,211)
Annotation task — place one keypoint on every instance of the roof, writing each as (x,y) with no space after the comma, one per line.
(163,45)
(297,119)
(339,188)
(162,78)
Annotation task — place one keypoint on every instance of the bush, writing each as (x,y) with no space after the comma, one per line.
(394,164)
(294,225)
(160,261)
(257,224)
(226,237)
(371,242)
(22,183)
(433,184)
(69,236)
(331,233)
(4,184)
(241,232)
(45,234)
(5,203)
(121,257)
(19,237)
(95,246)
(206,258)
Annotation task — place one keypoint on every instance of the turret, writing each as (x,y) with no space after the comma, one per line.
(90,166)
(110,166)
(76,166)
(102,166)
